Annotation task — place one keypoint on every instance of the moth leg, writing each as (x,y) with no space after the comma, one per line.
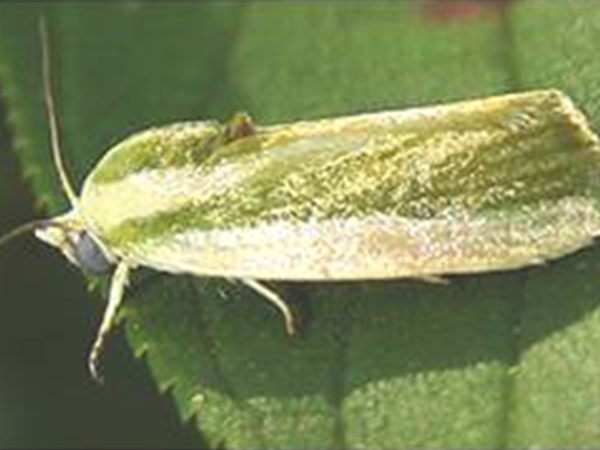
(272,296)
(115,297)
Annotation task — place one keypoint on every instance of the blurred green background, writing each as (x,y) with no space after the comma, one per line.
(489,361)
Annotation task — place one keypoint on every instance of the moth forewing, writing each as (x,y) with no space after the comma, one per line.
(481,185)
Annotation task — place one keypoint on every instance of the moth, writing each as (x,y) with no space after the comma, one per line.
(481,185)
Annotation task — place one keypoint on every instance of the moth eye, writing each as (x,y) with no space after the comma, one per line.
(90,256)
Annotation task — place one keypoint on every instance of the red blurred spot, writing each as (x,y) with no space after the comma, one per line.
(449,10)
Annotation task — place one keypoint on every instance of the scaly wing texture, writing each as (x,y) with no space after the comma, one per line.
(444,189)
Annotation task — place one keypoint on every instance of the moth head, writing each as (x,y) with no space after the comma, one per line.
(69,234)
(78,244)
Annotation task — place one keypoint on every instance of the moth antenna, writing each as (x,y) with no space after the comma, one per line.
(25,228)
(67,187)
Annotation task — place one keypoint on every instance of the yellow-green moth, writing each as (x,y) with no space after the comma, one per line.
(481,185)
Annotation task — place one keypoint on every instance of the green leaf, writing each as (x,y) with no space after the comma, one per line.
(494,360)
